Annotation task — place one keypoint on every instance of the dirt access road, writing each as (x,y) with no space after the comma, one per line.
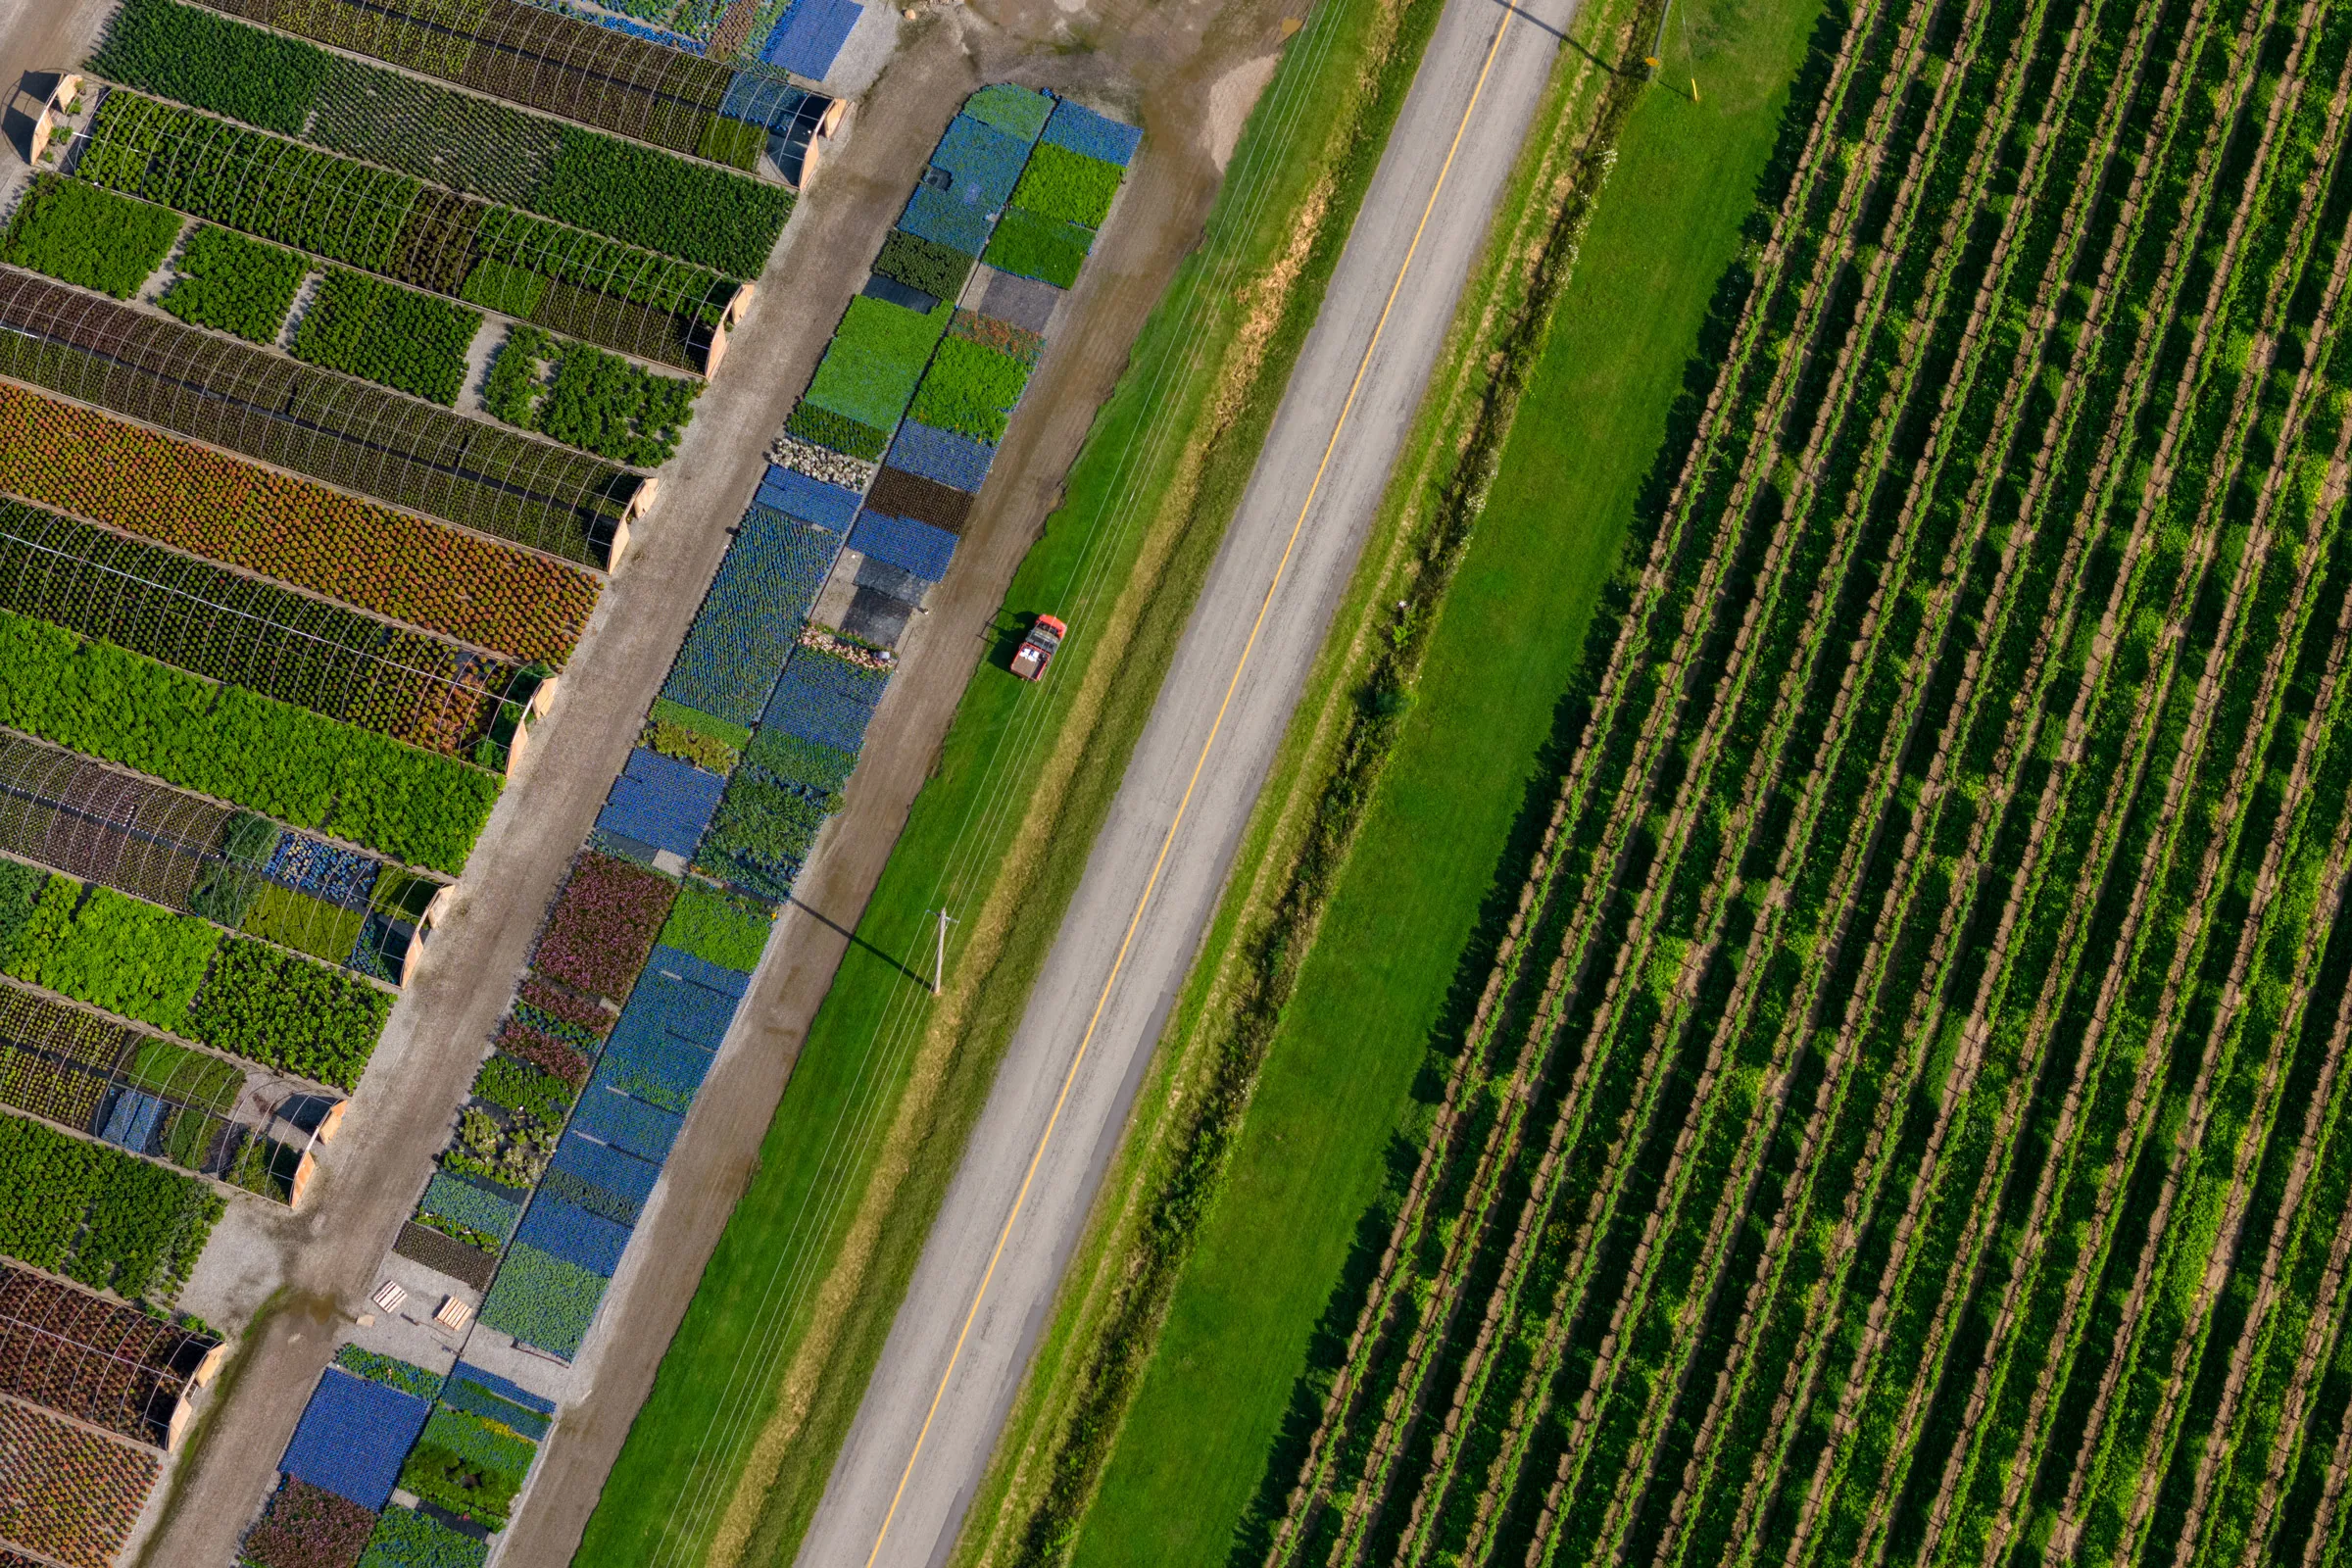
(980,1295)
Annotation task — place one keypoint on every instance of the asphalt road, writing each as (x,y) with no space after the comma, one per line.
(986,1282)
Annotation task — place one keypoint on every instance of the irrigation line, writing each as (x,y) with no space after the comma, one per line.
(893,1034)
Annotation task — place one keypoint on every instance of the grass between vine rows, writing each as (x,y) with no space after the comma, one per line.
(740,1461)
(1209,1441)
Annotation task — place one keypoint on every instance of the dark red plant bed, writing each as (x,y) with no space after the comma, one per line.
(604,925)
(446,1254)
(308,1527)
(909,495)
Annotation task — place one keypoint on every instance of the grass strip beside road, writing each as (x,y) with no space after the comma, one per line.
(728,1458)
(1173,1160)
(1245,1350)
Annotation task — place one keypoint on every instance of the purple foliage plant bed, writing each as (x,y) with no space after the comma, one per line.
(603,924)
(544,1052)
(308,1527)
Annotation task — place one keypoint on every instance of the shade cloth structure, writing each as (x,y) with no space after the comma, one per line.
(80,1068)
(227,625)
(331,426)
(717,218)
(338,208)
(195,855)
(100,1361)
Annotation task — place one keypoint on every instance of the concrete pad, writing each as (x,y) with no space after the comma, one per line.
(1023,301)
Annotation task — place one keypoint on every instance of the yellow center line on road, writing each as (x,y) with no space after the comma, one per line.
(1200,764)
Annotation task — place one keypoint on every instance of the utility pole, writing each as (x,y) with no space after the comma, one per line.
(939,961)
(1658,45)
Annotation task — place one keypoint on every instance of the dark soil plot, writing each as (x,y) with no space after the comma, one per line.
(882,286)
(877,617)
(1024,302)
(446,1255)
(910,494)
(894,581)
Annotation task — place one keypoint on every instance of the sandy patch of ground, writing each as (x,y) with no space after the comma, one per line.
(1230,100)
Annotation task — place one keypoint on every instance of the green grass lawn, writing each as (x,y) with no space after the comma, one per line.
(1338,1087)
(717,1384)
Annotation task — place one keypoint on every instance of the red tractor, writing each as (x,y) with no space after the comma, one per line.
(1037,649)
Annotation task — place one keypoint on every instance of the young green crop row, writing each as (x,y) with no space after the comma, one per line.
(1758,1054)
(238,746)
(1930,876)
(1619,818)
(1414,1226)
(2162,910)
(2196,1494)
(2001,440)
(1725,1134)
(226,626)
(1730,1345)
(2014,749)
(245,397)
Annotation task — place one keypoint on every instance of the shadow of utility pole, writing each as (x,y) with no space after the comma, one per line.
(1537,21)
(857,941)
